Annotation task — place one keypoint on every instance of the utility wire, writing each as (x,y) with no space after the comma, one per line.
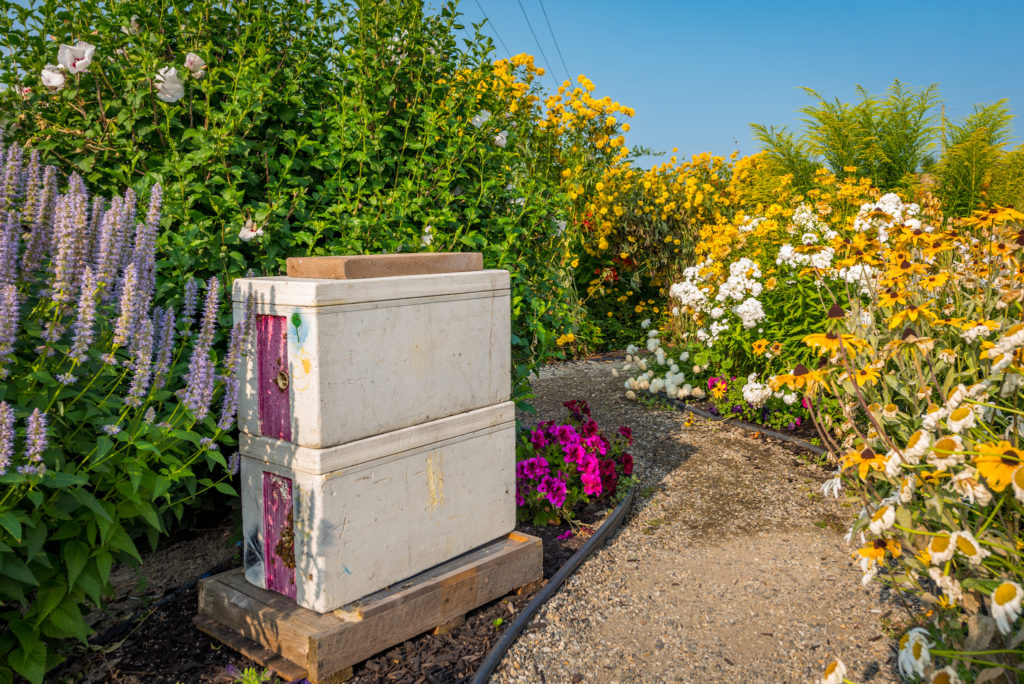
(552,31)
(495,28)
(547,62)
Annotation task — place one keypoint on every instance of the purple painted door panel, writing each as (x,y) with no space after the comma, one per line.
(278,534)
(272,367)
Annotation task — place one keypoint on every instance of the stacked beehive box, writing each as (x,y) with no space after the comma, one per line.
(378,438)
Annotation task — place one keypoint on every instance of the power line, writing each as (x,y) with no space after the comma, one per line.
(541,2)
(539,46)
(496,34)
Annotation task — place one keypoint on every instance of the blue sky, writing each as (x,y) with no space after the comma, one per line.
(699,73)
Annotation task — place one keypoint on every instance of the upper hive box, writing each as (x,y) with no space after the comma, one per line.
(342,360)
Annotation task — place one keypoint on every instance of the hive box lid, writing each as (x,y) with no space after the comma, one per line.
(388,444)
(316,292)
(383,265)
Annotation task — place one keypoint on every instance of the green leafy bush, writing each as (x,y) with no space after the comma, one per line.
(109,416)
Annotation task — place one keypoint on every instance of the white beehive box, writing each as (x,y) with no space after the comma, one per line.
(342,360)
(329,526)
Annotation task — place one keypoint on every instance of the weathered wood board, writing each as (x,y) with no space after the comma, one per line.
(297,642)
(383,265)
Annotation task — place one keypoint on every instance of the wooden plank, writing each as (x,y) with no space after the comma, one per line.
(275,418)
(350,267)
(418,609)
(274,629)
(326,646)
(283,667)
(278,534)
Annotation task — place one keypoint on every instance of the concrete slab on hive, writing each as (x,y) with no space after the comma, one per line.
(383,265)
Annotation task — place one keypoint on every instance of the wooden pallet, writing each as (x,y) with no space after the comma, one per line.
(296,642)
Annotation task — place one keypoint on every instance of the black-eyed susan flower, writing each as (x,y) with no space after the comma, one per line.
(911,314)
(759,346)
(997,462)
(1006,605)
(832,342)
(864,460)
(865,376)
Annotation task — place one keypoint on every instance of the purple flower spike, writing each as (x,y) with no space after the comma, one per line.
(9,232)
(232,366)
(126,321)
(188,307)
(6,436)
(9,304)
(144,252)
(35,437)
(165,349)
(84,326)
(142,362)
(40,237)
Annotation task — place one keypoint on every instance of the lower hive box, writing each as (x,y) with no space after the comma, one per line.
(329,526)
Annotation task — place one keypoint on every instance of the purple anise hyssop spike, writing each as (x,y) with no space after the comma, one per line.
(9,304)
(126,321)
(9,232)
(85,318)
(40,235)
(165,349)
(142,362)
(232,363)
(35,444)
(6,436)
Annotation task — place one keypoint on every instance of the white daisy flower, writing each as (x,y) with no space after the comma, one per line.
(882,519)
(917,446)
(832,487)
(835,673)
(961,419)
(946,675)
(946,452)
(1006,605)
(914,656)
(941,548)
(966,544)
(965,483)
(949,585)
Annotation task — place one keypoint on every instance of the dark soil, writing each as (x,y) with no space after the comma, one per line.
(163,647)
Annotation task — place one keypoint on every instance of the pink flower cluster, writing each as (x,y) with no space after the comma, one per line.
(564,461)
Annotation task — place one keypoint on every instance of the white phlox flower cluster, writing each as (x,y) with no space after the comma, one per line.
(750,312)
(662,376)
(756,393)
(749,223)
(887,212)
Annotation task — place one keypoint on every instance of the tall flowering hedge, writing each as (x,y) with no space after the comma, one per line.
(111,406)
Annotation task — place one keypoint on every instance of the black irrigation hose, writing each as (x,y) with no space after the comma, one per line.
(499,649)
(767,432)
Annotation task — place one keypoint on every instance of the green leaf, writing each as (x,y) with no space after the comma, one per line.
(15,568)
(225,488)
(75,554)
(89,501)
(47,598)
(10,522)
(29,663)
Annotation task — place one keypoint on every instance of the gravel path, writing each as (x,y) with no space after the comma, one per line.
(731,567)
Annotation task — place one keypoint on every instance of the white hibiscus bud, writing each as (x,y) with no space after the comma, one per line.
(195,64)
(76,58)
(169,86)
(501,139)
(133,26)
(53,76)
